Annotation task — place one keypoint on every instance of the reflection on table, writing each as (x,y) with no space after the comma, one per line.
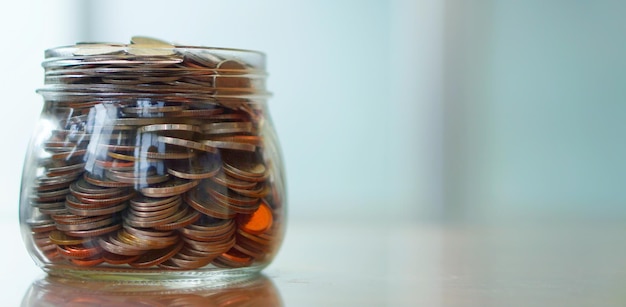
(54,291)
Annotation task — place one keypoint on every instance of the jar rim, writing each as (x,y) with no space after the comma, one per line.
(64,51)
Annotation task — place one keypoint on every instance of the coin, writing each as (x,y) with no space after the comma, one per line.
(61,238)
(227,127)
(157,159)
(97,49)
(88,262)
(83,189)
(233,259)
(78,251)
(181,222)
(119,248)
(152,109)
(171,187)
(258,222)
(228,145)
(135,177)
(97,223)
(169,127)
(186,143)
(233,183)
(207,206)
(116,259)
(94,232)
(144,203)
(242,164)
(156,257)
(104,183)
(99,211)
(201,167)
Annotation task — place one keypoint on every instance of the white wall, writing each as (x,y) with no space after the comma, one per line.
(398,109)
(535,109)
(28,28)
(355,109)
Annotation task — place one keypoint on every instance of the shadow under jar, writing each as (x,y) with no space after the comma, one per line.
(153,162)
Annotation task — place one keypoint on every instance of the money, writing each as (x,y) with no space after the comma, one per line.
(156,158)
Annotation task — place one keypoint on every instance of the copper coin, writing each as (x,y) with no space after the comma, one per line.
(228,145)
(238,208)
(104,182)
(145,242)
(208,207)
(197,113)
(155,257)
(147,202)
(169,127)
(245,139)
(233,259)
(188,219)
(51,196)
(154,214)
(186,144)
(88,262)
(100,211)
(258,222)
(135,221)
(85,202)
(250,251)
(169,188)
(227,127)
(156,209)
(68,154)
(201,167)
(116,259)
(94,232)
(228,196)
(87,226)
(78,251)
(208,236)
(260,191)
(84,189)
(211,246)
(135,177)
(187,264)
(119,248)
(244,164)
(231,182)
(73,169)
(114,164)
(147,232)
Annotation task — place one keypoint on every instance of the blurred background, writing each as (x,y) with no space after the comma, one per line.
(407,110)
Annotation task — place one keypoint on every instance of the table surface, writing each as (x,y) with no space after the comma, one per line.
(387,264)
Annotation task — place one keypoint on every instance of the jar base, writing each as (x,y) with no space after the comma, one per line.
(217,277)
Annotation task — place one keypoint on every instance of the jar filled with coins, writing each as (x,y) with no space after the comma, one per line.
(153,161)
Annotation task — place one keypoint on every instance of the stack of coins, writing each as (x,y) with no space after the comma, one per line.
(159,157)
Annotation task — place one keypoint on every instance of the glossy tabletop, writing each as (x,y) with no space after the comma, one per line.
(380,264)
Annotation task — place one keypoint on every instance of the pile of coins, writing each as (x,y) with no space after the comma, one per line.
(158,157)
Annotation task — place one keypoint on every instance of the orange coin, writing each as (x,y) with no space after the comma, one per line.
(259,221)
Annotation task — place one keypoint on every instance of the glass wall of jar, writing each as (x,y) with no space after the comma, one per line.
(152,161)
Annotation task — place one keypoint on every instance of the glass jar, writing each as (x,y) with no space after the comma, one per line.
(152,161)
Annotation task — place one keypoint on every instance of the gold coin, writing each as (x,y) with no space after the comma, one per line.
(61,238)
